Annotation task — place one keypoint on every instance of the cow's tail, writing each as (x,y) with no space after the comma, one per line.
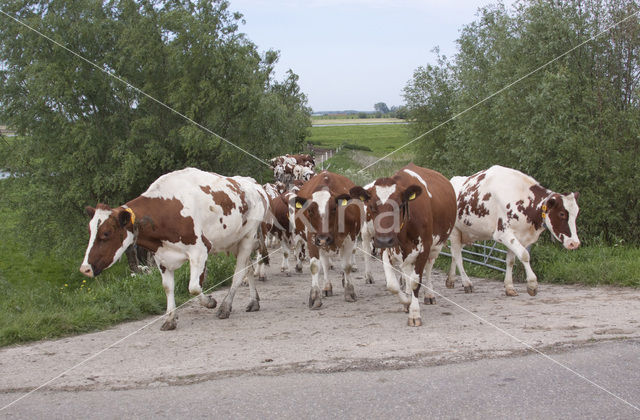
(262,245)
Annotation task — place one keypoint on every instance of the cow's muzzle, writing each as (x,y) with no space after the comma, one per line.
(87,270)
(324,240)
(385,241)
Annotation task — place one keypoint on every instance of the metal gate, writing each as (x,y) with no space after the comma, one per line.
(485,253)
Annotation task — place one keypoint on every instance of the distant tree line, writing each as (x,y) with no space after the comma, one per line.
(383,111)
(573,125)
(86,137)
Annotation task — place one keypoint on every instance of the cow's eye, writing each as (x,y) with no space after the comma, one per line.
(563,215)
(105,235)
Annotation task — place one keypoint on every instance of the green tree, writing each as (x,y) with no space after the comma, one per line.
(381,108)
(87,137)
(573,125)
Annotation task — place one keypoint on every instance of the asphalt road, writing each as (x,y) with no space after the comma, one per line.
(527,386)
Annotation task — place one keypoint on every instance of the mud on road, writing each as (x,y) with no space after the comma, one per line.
(285,336)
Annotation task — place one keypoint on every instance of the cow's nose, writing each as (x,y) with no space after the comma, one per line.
(86,270)
(324,240)
(573,245)
(384,241)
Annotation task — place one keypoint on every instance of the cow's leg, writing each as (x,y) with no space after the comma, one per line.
(457,261)
(392,281)
(315,296)
(198,274)
(262,266)
(242,265)
(300,254)
(168,285)
(508,238)
(286,250)
(327,289)
(367,246)
(348,247)
(429,294)
(413,287)
(354,264)
(254,299)
(508,275)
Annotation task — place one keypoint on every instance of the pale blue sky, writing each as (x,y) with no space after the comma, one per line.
(350,54)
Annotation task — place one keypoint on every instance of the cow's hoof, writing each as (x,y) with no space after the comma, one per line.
(315,298)
(354,268)
(211,303)
(349,293)
(468,289)
(169,325)
(262,278)
(511,292)
(532,290)
(328,290)
(287,274)
(224,311)
(429,300)
(298,269)
(368,278)
(253,306)
(450,284)
(415,322)
(405,307)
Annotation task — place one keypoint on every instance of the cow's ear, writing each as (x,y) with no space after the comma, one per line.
(551,202)
(412,192)
(359,193)
(300,202)
(124,218)
(90,211)
(343,200)
(576,195)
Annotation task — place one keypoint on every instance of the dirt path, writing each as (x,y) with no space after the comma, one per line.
(286,336)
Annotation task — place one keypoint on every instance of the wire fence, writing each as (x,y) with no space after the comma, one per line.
(486,253)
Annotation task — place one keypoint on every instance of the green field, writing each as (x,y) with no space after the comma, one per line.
(378,139)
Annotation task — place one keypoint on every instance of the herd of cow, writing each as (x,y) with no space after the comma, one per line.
(188,214)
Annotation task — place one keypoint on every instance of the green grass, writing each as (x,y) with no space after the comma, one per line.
(381,139)
(590,265)
(44,295)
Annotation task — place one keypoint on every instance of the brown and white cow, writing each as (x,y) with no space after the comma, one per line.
(413,213)
(512,208)
(183,216)
(288,168)
(332,223)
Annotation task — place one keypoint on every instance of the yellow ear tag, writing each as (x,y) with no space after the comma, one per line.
(544,211)
(412,197)
(133,215)
(298,205)
(344,201)
(362,198)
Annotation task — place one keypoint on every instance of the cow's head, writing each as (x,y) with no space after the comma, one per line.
(559,214)
(323,214)
(387,205)
(110,234)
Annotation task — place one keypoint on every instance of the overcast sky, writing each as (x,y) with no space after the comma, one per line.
(351,54)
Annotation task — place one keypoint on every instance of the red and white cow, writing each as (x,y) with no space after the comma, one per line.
(512,208)
(288,168)
(184,216)
(413,213)
(332,222)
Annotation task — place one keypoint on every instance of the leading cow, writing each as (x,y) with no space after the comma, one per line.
(183,216)
(512,208)
(413,213)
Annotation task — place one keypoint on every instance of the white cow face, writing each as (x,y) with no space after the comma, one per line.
(560,212)
(111,233)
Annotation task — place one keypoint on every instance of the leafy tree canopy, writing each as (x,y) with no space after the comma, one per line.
(84,136)
(574,125)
